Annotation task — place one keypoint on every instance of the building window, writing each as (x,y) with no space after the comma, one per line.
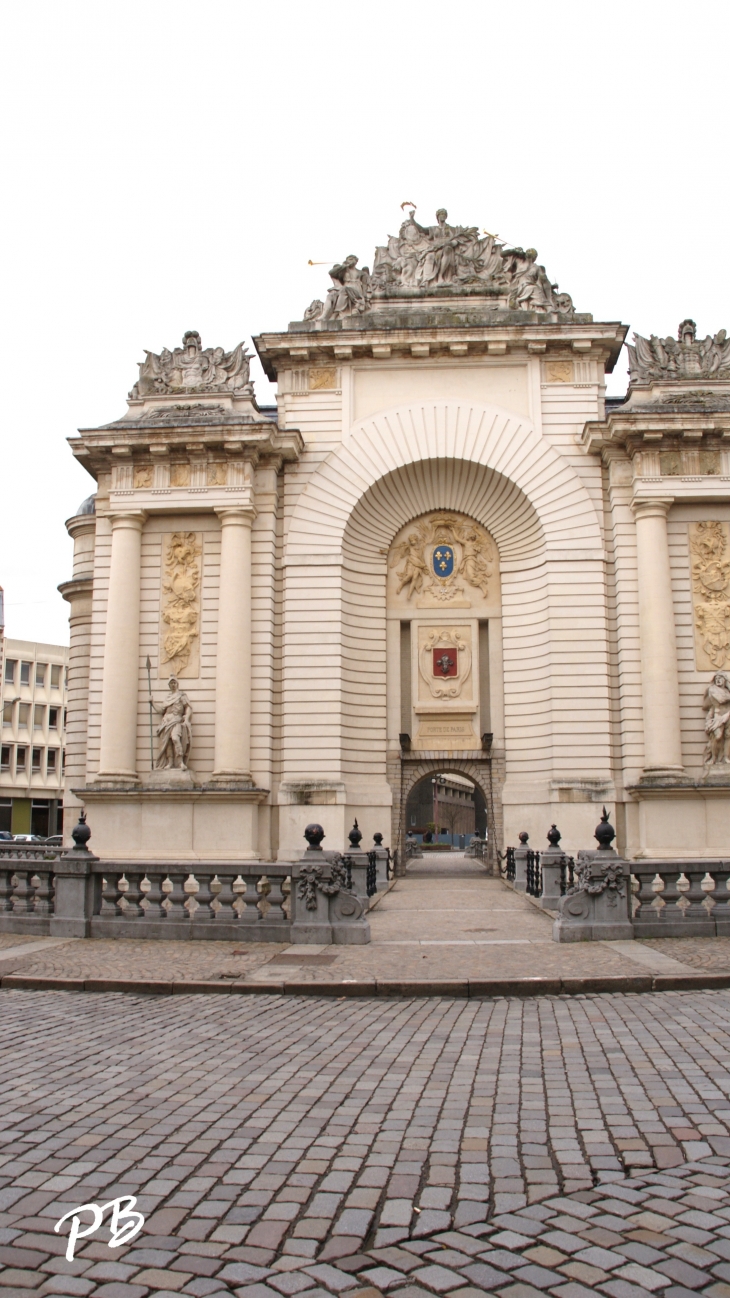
(25,673)
(39,817)
(37,760)
(7,714)
(23,714)
(20,758)
(65,717)
(51,761)
(40,673)
(6,815)
(56,676)
(39,716)
(63,761)
(10,665)
(53,718)
(5,757)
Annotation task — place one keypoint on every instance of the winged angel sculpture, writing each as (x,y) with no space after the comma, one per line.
(470,557)
(191,369)
(423,260)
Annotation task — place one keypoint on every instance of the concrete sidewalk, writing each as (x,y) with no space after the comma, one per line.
(447,928)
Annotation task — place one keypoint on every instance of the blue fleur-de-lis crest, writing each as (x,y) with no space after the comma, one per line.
(443,560)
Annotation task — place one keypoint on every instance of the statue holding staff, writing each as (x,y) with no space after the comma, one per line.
(174,733)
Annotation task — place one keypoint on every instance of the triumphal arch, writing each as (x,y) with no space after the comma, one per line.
(443,550)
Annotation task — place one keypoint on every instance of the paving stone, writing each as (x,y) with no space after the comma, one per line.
(485,1276)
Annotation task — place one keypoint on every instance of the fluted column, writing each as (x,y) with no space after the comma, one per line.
(118,757)
(233,664)
(658,641)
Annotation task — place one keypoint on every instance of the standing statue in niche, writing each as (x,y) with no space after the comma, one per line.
(716,704)
(174,733)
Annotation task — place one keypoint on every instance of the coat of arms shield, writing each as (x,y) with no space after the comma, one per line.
(442,559)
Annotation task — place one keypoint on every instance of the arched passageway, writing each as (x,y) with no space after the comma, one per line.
(446,809)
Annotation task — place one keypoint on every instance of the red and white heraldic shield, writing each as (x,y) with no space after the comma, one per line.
(445,662)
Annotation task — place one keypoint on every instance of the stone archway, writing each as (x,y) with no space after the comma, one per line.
(484,770)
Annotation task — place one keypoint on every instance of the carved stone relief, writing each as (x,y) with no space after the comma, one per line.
(143,474)
(444,661)
(688,357)
(710,557)
(180,611)
(558,371)
(180,475)
(322,378)
(445,704)
(444,561)
(441,260)
(217,472)
(191,369)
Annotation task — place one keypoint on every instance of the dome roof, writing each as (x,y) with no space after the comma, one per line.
(87,506)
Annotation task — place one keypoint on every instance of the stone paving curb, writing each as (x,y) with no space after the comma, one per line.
(405,987)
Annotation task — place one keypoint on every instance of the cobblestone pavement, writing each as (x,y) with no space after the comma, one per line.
(446,920)
(409,1147)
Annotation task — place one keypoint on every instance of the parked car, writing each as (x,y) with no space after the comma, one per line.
(56,840)
(5,836)
(28,838)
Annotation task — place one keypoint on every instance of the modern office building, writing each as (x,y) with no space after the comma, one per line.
(33,701)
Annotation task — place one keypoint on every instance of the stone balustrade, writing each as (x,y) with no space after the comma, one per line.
(681,898)
(77,895)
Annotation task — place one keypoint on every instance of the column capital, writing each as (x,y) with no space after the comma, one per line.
(243,515)
(656,507)
(131,518)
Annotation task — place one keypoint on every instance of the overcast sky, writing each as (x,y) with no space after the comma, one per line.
(173,166)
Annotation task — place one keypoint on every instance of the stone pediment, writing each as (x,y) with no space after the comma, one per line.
(430,273)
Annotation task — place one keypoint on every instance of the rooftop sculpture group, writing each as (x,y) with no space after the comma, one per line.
(687,357)
(191,369)
(442,260)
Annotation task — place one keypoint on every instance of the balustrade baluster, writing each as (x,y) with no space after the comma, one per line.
(225,912)
(133,896)
(276,900)
(204,897)
(6,889)
(155,895)
(250,897)
(286,896)
(671,894)
(721,898)
(263,888)
(177,896)
(23,893)
(110,896)
(697,912)
(646,912)
(44,893)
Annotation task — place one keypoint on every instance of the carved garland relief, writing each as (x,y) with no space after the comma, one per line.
(710,557)
(180,612)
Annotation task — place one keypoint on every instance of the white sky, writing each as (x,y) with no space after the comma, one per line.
(173,166)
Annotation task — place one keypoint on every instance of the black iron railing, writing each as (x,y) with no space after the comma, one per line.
(533,874)
(567,874)
(371,877)
(509,869)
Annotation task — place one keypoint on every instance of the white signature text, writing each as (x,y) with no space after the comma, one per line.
(124,1224)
